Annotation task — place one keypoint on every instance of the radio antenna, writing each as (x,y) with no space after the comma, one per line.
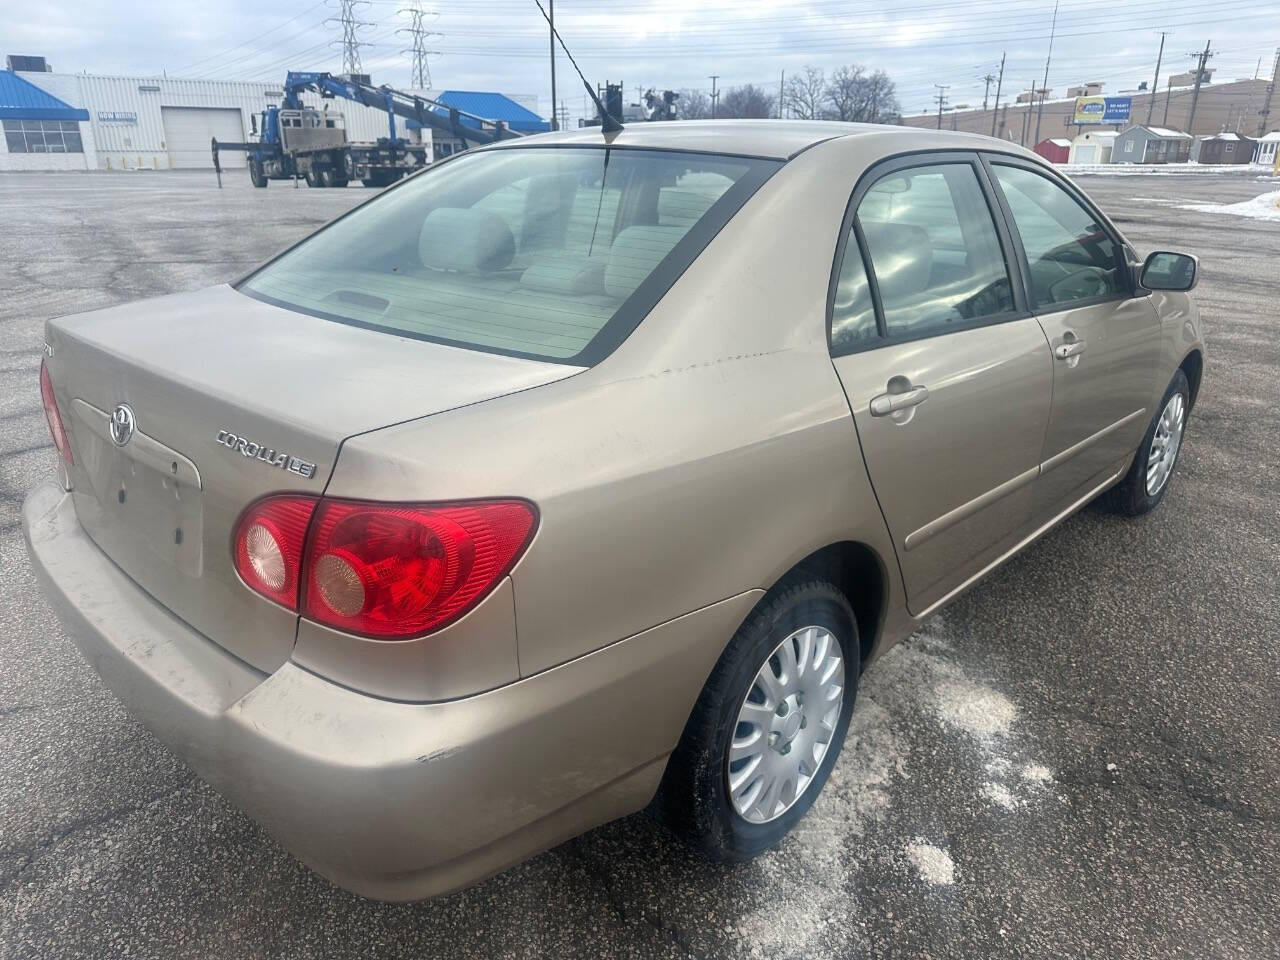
(608,122)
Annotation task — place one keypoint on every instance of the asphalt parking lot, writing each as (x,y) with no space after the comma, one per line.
(1079,758)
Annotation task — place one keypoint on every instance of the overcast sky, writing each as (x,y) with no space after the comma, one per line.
(502,44)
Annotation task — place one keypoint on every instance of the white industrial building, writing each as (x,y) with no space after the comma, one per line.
(149,123)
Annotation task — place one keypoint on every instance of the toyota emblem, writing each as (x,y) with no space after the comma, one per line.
(122,425)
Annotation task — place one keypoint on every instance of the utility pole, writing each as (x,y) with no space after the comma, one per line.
(1155,84)
(351,25)
(1265,112)
(418,53)
(782,89)
(551,22)
(714,96)
(986,91)
(1168,92)
(942,100)
(1053,29)
(1026,114)
(1203,59)
(999,82)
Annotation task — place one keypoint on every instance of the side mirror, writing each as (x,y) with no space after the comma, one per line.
(1165,270)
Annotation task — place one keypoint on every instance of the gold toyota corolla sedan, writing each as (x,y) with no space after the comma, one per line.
(586,473)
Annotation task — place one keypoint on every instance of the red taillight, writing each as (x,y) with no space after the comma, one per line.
(394,571)
(51,414)
(268,546)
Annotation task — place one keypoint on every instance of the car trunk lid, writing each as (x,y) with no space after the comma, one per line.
(226,399)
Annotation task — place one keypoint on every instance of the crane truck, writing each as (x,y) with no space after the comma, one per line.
(295,140)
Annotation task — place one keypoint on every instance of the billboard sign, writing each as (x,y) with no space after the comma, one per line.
(1102,110)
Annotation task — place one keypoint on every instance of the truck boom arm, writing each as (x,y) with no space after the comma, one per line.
(427,112)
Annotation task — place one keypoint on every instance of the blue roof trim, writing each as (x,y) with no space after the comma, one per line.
(22,100)
(494,106)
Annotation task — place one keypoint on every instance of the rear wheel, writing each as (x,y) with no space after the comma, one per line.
(1147,481)
(328,178)
(312,178)
(768,726)
(256,175)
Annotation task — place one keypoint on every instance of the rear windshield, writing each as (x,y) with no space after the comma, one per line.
(550,253)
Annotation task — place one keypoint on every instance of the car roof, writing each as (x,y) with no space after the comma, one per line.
(776,139)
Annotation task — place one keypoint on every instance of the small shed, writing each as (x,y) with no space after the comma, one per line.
(1224,148)
(1054,149)
(1092,146)
(1142,144)
(1266,150)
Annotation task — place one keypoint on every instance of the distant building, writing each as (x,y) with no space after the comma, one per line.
(1092,146)
(1230,105)
(1034,95)
(1085,90)
(1224,148)
(1054,149)
(80,121)
(1141,144)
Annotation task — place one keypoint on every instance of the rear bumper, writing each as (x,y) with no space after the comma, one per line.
(392,800)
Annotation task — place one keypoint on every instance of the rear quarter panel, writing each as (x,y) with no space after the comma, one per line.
(710,453)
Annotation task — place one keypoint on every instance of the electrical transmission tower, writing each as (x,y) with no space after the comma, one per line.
(351,24)
(418,52)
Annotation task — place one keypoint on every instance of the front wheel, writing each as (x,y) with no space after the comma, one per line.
(768,726)
(256,175)
(1147,481)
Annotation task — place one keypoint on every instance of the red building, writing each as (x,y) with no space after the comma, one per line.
(1055,149)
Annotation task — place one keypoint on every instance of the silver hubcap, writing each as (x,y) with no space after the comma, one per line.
(1165,444)
(786,724)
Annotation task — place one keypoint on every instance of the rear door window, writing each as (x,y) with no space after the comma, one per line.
(933,249)
(552,253)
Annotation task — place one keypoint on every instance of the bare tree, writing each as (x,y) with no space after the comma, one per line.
(880,105)
(747,101)
(806,94)
(859,97)
(693,105)
(844,92)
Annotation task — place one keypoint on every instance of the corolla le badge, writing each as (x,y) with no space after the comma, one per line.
(122,424)
(267,455)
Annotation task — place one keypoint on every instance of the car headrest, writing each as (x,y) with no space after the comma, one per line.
(466,240)
(902,256)
(567,274)
(634,254)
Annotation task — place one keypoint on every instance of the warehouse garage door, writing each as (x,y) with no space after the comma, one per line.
(188,130)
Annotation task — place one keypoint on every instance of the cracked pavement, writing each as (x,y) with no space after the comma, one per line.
(1080,757)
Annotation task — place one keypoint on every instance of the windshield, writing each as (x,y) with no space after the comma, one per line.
(549,253)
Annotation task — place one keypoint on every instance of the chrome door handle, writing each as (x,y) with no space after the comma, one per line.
(887,403)
(1072,348)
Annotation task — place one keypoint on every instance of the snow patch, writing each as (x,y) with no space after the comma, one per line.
(1037,773)
(1264,207)
(934,864)
(1000,795)
(974,708)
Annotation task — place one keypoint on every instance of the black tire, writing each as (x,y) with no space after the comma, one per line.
(328,178)
(256,176)
(694,800)
(1130,496)
(339,181)
(313,180)
(370,182)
